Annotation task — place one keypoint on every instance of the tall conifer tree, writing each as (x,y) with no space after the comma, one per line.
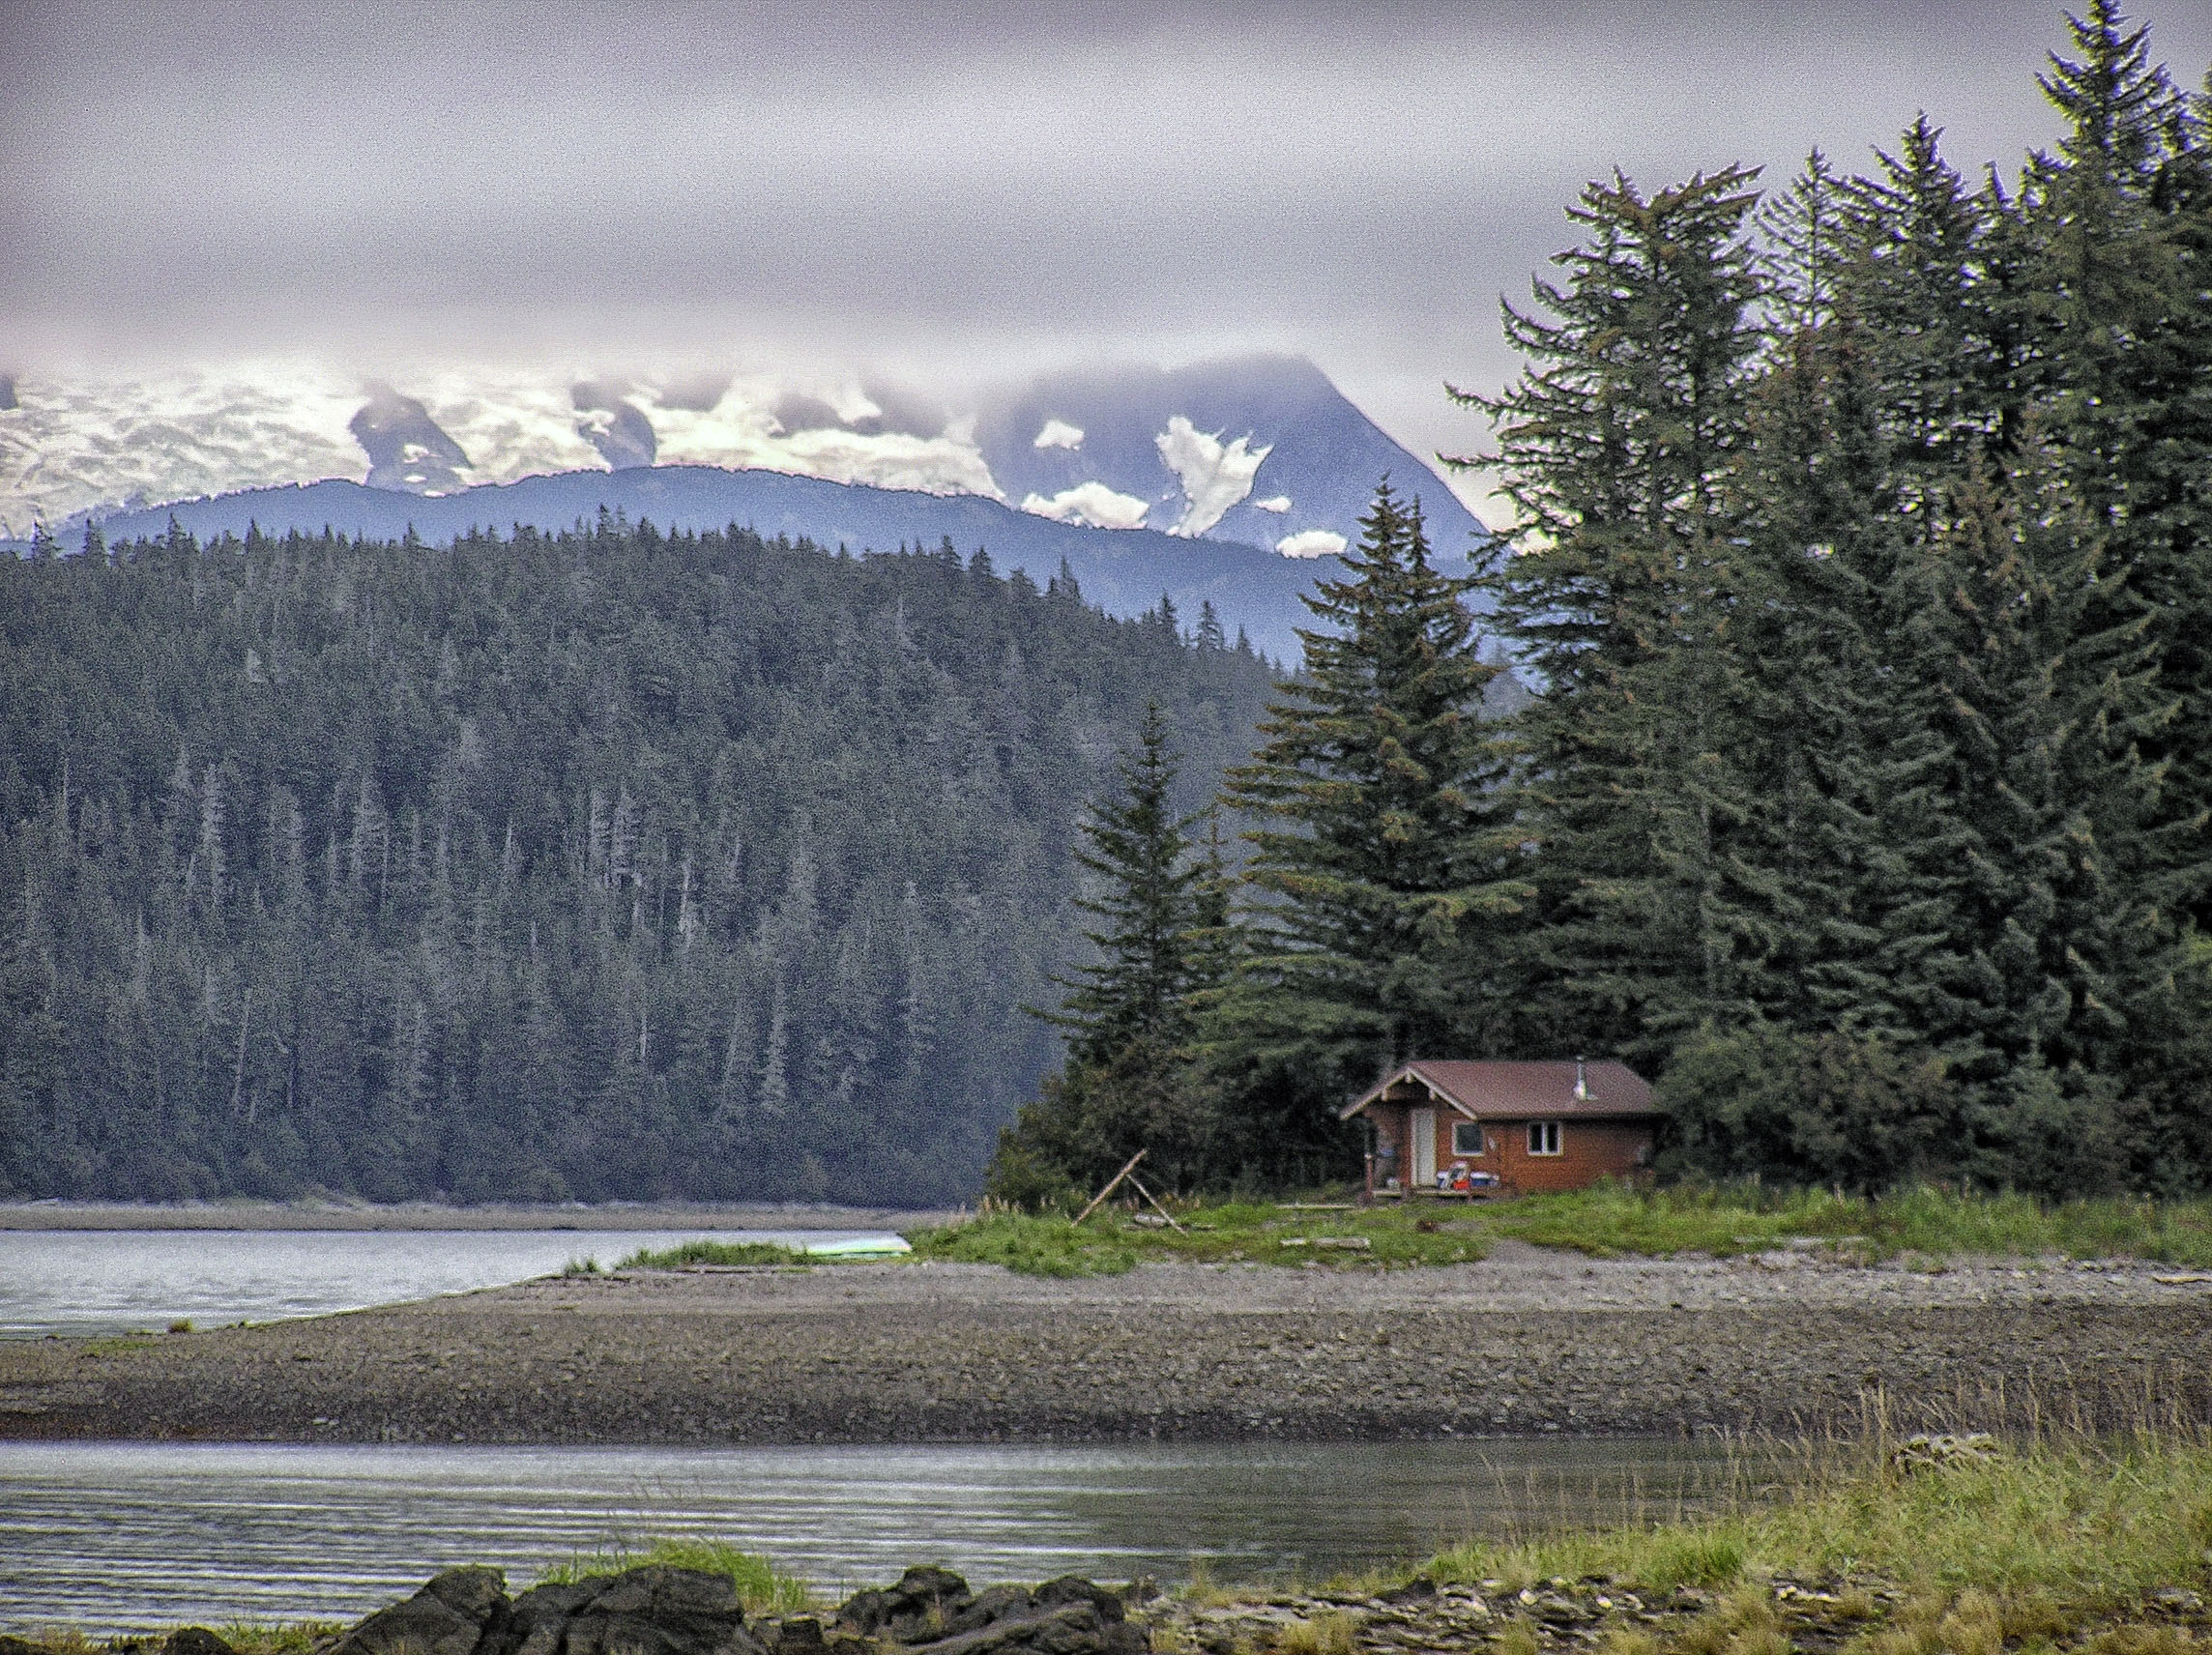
(1621,447)
(1386,860)
(1130,1083)
(1152,898)
(2121,216)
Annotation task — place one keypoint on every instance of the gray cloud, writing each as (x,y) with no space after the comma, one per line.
(945,191)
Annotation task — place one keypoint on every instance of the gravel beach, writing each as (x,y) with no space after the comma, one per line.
(1526,1342)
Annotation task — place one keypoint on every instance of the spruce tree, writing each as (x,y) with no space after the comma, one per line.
(1209,635)
(1620,447)
(1883,383)
(2054,914)
(1926,275)
(32,1130)
(1808,497)
(1384,857)
(1130,1082)
(2121,220)
(1151,888)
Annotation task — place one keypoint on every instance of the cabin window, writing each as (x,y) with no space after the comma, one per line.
(1466,1138)
(1543,1137)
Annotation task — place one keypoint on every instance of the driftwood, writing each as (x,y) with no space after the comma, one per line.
(1098,1200)
(1129,1172)
(1156,1206)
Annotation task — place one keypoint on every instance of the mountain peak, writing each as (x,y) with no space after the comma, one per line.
(1258,449)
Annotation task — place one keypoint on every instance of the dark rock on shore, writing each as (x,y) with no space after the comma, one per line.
(651,1611)
(448,1616)
(931,1611)
(195,1641)
(659,1611)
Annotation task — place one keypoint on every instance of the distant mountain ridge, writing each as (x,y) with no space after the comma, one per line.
(1126,571)
(1263,449)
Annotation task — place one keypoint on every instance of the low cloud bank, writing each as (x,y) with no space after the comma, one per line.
(1090,503)
(1311,543)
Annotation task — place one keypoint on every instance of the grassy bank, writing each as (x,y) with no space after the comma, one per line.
(2103,1547)
(706,1252)
(2083,1526)
(1111,1242)
(1927,1225)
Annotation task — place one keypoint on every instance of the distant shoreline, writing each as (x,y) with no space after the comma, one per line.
(430,1215)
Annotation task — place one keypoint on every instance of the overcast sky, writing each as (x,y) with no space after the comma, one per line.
(950,192)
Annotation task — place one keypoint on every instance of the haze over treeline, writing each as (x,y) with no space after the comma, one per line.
(605,864)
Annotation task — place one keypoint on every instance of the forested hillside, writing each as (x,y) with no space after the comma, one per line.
(600,866)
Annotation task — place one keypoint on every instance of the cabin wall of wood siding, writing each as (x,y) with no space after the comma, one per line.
(1589,1150)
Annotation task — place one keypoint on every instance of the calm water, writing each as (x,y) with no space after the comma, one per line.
(112,1537)
(111,1281)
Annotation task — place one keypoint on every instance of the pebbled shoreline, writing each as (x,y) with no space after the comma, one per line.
(1524,1343)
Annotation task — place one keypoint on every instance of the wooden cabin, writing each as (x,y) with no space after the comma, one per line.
(1555,1125)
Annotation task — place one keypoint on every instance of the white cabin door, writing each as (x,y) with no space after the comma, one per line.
(1424,1130)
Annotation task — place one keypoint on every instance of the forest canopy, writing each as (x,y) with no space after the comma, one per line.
(605,864)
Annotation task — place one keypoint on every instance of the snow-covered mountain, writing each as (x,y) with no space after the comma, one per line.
(1232,483)
(1259,450)
(1263,450)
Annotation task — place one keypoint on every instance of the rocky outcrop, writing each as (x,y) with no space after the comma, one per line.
(659,1610)
(652,1611)
(931,1611)
(195,1641)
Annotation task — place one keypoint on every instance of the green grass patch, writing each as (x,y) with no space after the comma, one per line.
(713,1253)
(1942,1225)
(1608,1220)
(762,1587)
(1605,1220)
(117,1344)
(289,1638)
(2084,1526)
(1611,1219)
(1111,1240)
(1035,1246)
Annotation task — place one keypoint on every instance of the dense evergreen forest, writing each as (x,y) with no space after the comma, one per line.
(1864,571)
(608,864)
(1869,570)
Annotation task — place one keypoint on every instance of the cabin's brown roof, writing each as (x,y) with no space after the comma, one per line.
(1512,1090)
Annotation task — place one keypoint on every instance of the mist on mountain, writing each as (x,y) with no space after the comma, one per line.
(1231,482)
